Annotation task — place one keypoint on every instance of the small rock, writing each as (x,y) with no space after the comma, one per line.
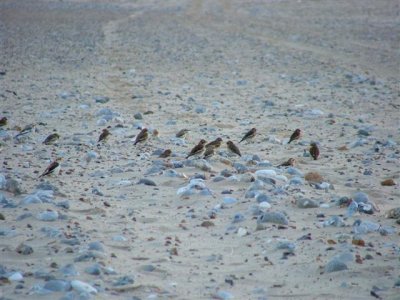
(97,246)
(93,270)
(56,285)
(306,203)
(17,276)
(69,270)
(229,200)
(335,265)
(24,249)
(393,213)
(313,177)
(12,186)
(101,99)
(223,295)
(242,232)
(273,217)
(83,287)
(388,182)
(47,216)
(207,224)
(361,197)
(334,221)
(138,116)
(146,181)
(123,281)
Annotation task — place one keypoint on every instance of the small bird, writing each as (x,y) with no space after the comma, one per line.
(249,135)
(53,168)
(27,129)
(3,121)
(314,151)
(182,133)
(215,143)
(198,149)
(289,163)
(104,135)
(295,135)
(210,151)
(51,139)
(166,153)
(233,148)
(142,136)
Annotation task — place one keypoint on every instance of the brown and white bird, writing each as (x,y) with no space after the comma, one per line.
(215,143)
(295,135)
(249,135)
(210,151)
(198,149)
(289,163)
(3,121)
(142,136)
(51,139)
(53,168)
(182,133)
(314,151)
(104,135)
(166,153)
(233,148)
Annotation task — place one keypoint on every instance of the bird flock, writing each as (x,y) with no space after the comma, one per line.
(201,149)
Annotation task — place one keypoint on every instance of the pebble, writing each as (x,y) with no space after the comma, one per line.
(286,245)
(260,198)
(273,217)
(57,285)
(51,231)
(146,181)
(306,203)
(388,182)
(24,249)
(238,217)
(69,270)
(94,269)
(97,246)
(335,265)
(264,205)
(296,181)
(334,221)
(294,171)
(229,200)
(40,196)
(223,295)
(2,182)
(313,177)
(83,287)
(361,197)
(13,187)
(364,227)
(123,281)
(138,116)
(47,216)
(17,276)
(101,99)
(242,232)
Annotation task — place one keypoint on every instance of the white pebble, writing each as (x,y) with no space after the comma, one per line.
(241,232)
(83,287)
(17,276)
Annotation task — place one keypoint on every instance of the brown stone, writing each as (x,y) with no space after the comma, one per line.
(313,177)
(388,182)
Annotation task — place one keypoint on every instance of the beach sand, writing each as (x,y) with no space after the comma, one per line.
(217,68)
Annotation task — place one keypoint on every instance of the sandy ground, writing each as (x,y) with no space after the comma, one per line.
(217,68)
